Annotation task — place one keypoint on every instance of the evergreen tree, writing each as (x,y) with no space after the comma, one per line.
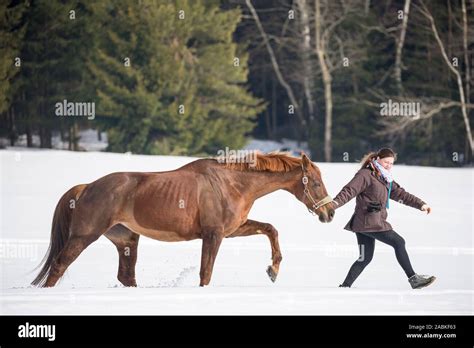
(55,45)
(12,30)
(167,80)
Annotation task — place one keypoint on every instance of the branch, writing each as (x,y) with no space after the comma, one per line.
(273,59)
(331,27)
(428,15)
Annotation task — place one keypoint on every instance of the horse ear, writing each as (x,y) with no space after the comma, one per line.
(305,160)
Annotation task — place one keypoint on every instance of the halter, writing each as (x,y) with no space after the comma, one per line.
(316,205)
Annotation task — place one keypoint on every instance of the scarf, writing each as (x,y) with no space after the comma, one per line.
(386,176)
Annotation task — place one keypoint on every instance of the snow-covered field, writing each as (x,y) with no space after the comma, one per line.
(316,256)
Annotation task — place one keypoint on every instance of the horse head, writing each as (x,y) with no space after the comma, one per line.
(310,190)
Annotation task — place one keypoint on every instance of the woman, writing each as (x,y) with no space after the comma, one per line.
(373,185)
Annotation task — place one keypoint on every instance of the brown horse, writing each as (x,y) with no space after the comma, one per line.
(204,199)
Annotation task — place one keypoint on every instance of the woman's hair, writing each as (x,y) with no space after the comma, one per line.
(382,153)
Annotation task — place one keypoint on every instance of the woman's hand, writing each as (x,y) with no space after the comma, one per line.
(426,208)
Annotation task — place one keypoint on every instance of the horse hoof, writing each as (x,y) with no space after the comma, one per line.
(271,273)
(128,282)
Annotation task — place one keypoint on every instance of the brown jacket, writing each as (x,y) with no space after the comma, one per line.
(369,187)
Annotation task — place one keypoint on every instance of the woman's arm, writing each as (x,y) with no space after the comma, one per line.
(400,195)
(358,184)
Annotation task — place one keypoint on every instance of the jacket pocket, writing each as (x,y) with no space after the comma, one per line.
(373,220)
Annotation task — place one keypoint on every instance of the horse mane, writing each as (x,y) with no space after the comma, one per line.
(271,162)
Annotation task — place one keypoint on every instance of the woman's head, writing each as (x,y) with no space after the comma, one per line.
(385,156)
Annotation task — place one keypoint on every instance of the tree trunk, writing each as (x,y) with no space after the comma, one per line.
(306,55)
(61,132)
(274,109)
(12,132)
(268,125)
(450,28)
(45,138)
(69,138)
(467,65)
(320,51)
(29,137)
(367,7)
(400,43)
(49,139)
(355,84)
(328,124)
(41,136)
(73,137)
(459,81)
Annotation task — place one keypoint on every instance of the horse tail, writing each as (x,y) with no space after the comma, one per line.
(59,231)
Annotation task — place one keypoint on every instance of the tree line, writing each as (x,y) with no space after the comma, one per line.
(162,74)
(193,77)
(328,68)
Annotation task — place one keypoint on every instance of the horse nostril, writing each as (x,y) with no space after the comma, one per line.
(331,213)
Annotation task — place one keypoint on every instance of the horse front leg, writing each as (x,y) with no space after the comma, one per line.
(252,227)
(211,241)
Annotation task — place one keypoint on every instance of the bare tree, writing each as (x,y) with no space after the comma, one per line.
(400,43)
(306,51)
(424,10)
(467,63)
(430,106)
(275,64)
(319,54)
(326,75)
(331,51)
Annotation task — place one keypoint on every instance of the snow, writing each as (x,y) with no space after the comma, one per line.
(87,141)
(316,256)
(289,145)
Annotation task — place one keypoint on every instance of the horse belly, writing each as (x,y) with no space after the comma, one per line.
(161,235)
(165,209)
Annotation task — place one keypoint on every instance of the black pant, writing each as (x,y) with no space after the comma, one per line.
(366,241)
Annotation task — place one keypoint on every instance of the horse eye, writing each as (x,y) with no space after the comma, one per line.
(316,184)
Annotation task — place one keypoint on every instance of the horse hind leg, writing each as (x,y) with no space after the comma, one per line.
(72,249)
(82,234)
(126,242)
